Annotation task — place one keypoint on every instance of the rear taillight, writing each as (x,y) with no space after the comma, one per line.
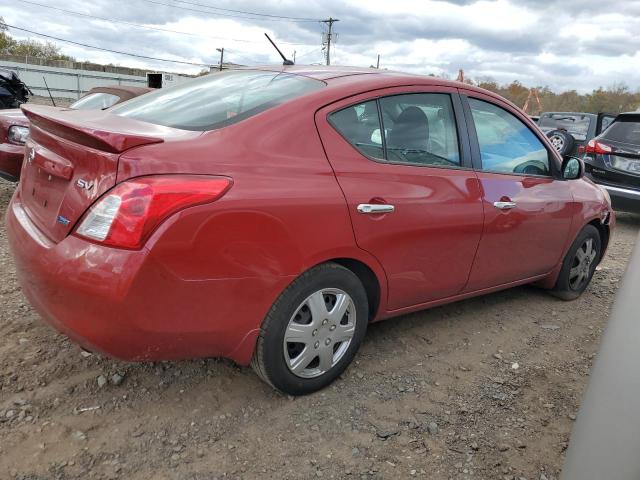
(125,216)
(594,146)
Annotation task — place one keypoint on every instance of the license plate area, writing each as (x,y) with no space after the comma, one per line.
(628,165)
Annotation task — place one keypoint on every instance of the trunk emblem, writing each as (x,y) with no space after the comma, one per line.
(85,184)
(63,220)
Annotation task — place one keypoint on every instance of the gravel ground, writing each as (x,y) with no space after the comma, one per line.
(433,394)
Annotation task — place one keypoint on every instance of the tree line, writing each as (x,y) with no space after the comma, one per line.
(615,99)
(28,48)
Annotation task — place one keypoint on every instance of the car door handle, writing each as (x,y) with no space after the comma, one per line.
(504,205)
(374,208)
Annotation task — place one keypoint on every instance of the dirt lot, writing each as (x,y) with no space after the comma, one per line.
(431,395)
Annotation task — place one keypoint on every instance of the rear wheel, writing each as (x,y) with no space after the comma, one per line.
(313,330)
(579,264)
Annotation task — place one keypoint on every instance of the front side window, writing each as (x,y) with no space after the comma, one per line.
(507,145)
(96,101)
(417,129)
(217,100)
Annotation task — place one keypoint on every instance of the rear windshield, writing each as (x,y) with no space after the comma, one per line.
(96,101)
(217,100)
(577,125)
(625,130)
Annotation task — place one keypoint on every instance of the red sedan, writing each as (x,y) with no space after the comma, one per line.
(14,126)
(268,215)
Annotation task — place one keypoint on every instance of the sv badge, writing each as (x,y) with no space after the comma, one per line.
(84,184)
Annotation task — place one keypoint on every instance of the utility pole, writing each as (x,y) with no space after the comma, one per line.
(378,64)
(294,56)
(221,50)
(330,21)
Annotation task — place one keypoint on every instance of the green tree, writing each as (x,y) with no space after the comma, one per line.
(31,48)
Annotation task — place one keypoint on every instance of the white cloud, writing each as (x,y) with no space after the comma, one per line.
(570,44)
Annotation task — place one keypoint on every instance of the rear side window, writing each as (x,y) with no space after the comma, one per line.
(416,129)
(625,130)
(217,100)
(420,129)
(507,145)
(96,101)
(360,126)
(576,124)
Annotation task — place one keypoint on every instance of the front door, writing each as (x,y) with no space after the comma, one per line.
(413,197)
(528,208)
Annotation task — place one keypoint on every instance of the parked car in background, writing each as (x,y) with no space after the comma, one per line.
(612,160)
(14,126)
(268,215)
(569,132)
(13,91)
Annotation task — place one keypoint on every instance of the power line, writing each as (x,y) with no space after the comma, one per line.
(107,49)
(227,14)
(166,30)
(283,17)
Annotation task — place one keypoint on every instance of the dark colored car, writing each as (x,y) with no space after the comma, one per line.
(569,132)
(268,215)
(14,126)
(13,91)
(613,160)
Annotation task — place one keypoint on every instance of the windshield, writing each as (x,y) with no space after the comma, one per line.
(217,100)
(575,124)
(96,101)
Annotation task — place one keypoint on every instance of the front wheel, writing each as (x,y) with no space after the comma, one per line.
(313,330)
(579,264)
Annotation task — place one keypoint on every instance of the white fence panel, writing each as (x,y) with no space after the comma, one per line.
(67,82)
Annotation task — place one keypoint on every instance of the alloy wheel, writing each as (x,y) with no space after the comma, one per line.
(557,141)
(319,332)
(582,264)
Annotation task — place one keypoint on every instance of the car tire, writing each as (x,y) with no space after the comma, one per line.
(312,331)
(579,264)
(562,141)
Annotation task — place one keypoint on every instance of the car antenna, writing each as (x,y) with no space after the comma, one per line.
(286,61)
(50,96)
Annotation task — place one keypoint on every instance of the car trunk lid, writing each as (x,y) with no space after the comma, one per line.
(71,159)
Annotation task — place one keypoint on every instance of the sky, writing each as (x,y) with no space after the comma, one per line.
(563,44)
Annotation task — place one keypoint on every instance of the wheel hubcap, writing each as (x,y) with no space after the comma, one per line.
(582,265)
(319,332)
(557,142)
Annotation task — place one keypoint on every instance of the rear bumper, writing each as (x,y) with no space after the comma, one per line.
(127,305)
(11,161)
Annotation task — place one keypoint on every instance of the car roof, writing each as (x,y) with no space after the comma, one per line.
(370,78)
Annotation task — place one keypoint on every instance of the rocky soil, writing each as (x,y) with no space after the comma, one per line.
(487,388)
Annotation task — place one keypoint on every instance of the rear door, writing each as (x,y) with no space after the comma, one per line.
(404,166)
(528,210)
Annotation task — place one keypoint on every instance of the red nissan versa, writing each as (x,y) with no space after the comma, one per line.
(268,215)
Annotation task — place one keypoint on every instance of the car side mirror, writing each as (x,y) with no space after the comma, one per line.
(572,168)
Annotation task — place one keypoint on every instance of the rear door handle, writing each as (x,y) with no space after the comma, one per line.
(504,205)
(373,208)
